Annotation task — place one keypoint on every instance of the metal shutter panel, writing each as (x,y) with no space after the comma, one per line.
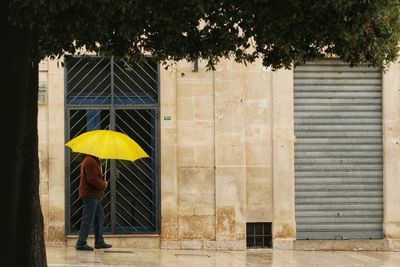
(338,153)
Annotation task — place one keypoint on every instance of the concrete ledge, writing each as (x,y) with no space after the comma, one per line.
(123,241)
(203,245)
(192,244)
(282,244)
(231,245)
(332,245)
(394,244)
(170,244)
(153,242)
(55,244)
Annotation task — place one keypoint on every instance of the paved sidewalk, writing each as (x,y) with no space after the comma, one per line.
(69,257)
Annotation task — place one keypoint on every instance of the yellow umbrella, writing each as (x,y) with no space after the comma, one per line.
(107,144)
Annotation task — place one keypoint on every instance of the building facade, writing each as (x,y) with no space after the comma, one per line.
(240,157)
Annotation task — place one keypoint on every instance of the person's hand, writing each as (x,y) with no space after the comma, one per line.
(106,184)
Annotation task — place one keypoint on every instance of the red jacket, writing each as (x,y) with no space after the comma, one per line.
(92,184)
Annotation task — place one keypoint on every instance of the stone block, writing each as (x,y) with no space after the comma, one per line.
(57,187)
(186,154)
(195,181)
(186,203)
(230,86)
(204,155)
(209,245)
(392,229)
(259,194)
(394,244)
(257,112)
(55,232)
(193,133)
(168,136)
(259,133)
(185,108)
(282,244)
(204,107)
(195,89)
(230,117)
(231,245)
(230,224)
(169,227)
(230,187)
(341,245)
(196,227)
(230,150)
(204,205)
(226,223)
(168,244)
(259,84)
(258,153)
(192,244)
(284,230)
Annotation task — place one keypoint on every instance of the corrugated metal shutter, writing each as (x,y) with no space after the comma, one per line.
(338,153)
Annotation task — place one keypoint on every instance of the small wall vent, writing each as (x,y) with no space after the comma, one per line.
(259,235)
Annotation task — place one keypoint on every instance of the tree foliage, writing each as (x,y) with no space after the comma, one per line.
(281,32)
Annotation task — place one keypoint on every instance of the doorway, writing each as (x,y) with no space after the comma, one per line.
(107,93)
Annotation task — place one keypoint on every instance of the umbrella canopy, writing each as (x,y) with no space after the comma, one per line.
(107,144)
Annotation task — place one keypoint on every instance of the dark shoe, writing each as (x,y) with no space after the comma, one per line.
(84,247)
(102,245)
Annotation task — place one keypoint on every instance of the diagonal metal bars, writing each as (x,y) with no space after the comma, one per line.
(106,93)
(136,182)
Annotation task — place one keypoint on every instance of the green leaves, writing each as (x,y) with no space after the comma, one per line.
(281,32)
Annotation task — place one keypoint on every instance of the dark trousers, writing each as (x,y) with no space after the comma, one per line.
(92,215)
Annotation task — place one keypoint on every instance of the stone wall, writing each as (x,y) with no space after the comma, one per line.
(227,156)
(219,140)
(51,153)
(391,155)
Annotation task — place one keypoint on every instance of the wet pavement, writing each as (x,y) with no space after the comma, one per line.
(69,257)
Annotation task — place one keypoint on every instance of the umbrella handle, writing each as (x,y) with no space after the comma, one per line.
(105,172)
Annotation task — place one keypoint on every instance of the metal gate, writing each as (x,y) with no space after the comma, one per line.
(338,153)
(106,93)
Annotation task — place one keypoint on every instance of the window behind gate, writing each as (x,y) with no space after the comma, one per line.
(107,93)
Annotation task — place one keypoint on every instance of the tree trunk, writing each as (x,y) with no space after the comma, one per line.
(22,219)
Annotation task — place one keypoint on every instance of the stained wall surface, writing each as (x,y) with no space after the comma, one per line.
(227,156)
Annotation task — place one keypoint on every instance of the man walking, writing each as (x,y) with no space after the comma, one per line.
(91,191)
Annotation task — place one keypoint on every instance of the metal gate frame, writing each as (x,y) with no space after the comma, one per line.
(113,108)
